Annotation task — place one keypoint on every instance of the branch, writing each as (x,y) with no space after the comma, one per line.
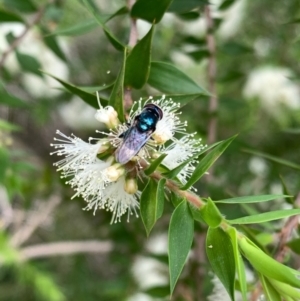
(65,248)
(34,220)
(192,198)
(37,18)
(133,36)
(211,75)
(285,233)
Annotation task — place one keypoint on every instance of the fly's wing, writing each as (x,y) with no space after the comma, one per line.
(133,142)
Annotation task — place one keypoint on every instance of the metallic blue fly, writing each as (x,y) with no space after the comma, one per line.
(138,133)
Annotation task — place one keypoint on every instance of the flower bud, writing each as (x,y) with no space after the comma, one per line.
(108,116)
(104,145)
(114,172)
(131,186)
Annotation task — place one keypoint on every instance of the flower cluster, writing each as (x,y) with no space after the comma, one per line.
(92,170)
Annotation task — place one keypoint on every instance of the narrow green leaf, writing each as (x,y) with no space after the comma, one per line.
(169,79)
(77,29)
(181,232)
(238,262)
(117,94)
(289,199)
(207,162)
(265,217)
(150,169)
(226,4)
(220,254)
(100,20)
(158,291)
(8,16)
(182,99)
(294,245)
(273,158)
(52,44)
(171,174)
(151,11)
(29,63)
(85,96)
(285,289)
(179,6)
(138,62)
(12,101)
(4,163)
(24,6)
(152,203)
(252,199)
(211,214)
(270,292)
(94,89)
(268,266)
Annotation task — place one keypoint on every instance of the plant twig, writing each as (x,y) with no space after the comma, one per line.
(286,232)
(37,18)
(133,37)
(211,75)
(65,248)
(192,198)
(34,220)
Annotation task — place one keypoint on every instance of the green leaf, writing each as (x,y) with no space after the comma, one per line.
(180,6)
(207,162)
(270,292)
(93,89)
(12,101)
(8,16)
(289,199)
(52,44)
(4,163)
(138,62)
(252,199)
(196,213)
(85,96)
(117,94)
(233,48)
(24,6)
(150,169)
(211,214)
(158,291)
(181,232)
(220,254)
(198,55)
(152,203)
(226,4)
(151,11)
(273,158)
(294,245)
(29,63)
(264,217)
(268,266)
(285,289)
(77,29)
(114,41)
(169,79)
(238,262)
(182,99)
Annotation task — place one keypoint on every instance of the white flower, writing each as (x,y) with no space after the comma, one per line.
(180,151)
(77,152)
(109,116)
(100,183)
